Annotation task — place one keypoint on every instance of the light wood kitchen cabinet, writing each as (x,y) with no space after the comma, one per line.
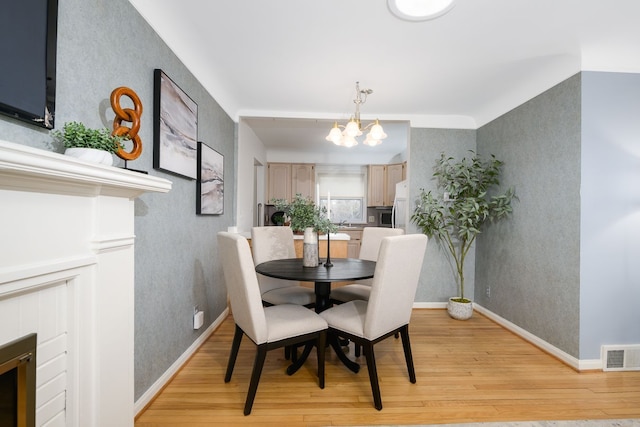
(353,245)
(303,180)
(285,180)
(382,183)
(279,181)
(375,190)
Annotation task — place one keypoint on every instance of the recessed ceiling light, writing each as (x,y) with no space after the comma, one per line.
(419,10)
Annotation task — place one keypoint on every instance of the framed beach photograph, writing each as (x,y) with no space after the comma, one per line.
(175,128)
(210,182)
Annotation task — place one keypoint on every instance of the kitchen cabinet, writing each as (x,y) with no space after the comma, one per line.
(285,180)
(303,180)
(339,248)
(279,181)
(382,183)
(375,189)
(353,245)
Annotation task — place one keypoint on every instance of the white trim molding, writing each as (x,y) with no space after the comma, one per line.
(165,378)
(577,364)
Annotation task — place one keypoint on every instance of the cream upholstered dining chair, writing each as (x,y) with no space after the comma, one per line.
(269,243)
(268,327)
(369,247)
(388,309)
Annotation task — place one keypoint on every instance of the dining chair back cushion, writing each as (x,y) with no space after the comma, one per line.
(369,249)
(395,281)
(269,243)
(242,286)
(372,238)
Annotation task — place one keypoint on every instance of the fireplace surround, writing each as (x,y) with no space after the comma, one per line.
(67,274)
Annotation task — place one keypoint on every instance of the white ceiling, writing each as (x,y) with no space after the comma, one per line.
(301,58)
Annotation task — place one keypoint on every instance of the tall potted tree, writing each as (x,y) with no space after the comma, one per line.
(456,213)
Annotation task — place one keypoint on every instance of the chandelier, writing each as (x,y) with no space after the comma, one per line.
(347,136)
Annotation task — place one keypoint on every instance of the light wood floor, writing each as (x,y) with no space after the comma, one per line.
(468,371)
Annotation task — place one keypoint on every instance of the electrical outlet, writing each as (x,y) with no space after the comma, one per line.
(372,218)
(198,319)
(488,291)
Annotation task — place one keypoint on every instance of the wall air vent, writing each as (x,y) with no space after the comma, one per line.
(621,357)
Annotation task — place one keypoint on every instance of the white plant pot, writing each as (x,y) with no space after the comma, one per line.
(90,155)
(459,310)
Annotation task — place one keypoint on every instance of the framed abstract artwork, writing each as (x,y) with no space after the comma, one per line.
(210,182)
(175,128)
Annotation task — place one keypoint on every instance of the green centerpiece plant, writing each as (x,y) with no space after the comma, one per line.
(457,211)
(302,212)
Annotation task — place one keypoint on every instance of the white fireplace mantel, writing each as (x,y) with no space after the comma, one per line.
(67,274)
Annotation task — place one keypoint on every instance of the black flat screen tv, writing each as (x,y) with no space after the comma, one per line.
(28,37)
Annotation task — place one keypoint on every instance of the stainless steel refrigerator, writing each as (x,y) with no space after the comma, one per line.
(400,212)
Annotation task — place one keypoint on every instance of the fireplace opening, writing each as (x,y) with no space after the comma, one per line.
(18,382)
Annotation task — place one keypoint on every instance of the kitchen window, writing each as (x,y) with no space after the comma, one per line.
(346,187)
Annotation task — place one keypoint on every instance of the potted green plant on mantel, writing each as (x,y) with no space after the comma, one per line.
(93,145)
(456,213)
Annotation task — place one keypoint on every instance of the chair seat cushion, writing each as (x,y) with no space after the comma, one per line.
(290,320)
(351,292)
(348,317)
(290,295)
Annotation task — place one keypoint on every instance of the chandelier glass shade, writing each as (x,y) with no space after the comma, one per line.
(346,135)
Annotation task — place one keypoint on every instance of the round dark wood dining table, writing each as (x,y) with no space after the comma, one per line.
(342,270)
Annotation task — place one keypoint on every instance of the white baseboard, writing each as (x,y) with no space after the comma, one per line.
(577,364)
(429,305)
(157,387)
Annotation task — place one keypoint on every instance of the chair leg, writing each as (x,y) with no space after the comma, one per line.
(235,346)
(404,332)
(320,348)
(356,347)
(373,374)
(258,364)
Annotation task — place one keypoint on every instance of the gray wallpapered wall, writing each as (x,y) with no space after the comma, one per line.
(532,261)
(437,281)
(103,45)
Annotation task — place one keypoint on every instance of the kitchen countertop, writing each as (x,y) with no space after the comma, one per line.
(334,236)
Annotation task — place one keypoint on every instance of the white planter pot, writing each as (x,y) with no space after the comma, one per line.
(459,310)
(91,155)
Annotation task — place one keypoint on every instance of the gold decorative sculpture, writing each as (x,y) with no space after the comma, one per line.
(127,115)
